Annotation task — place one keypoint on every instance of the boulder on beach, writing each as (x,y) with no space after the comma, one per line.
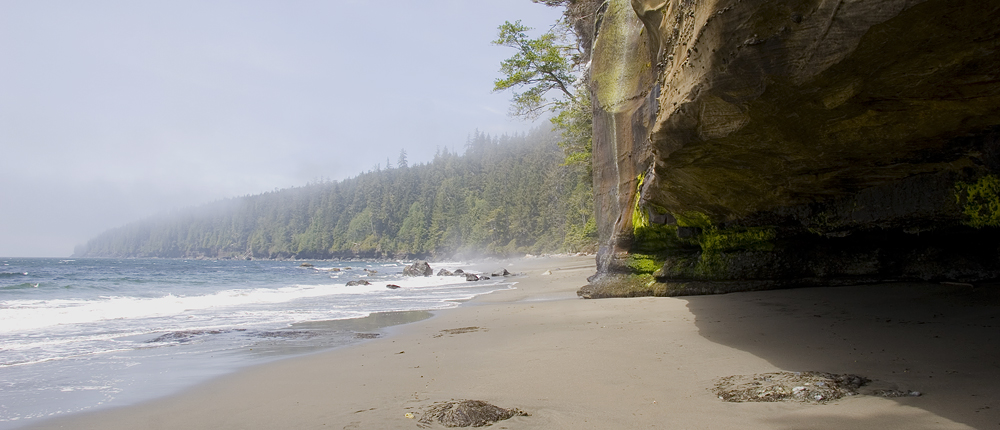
(305,265)
(459,272)
(500,272)
(471,277)
(420,268)
(393,287)
(445,272)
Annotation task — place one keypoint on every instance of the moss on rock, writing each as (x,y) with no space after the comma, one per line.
(980,201)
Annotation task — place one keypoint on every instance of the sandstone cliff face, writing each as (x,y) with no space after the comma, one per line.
(743,144)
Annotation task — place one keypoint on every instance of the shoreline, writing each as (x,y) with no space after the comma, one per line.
(619,363)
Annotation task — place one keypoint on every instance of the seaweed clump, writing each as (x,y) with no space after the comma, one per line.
(806,387)
(467,413)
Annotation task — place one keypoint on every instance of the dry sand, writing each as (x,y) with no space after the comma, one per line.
(623,363)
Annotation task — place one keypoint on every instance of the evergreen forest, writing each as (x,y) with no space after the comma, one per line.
(502,196)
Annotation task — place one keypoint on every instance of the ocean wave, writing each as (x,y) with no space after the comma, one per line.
(20,315)
(21,286)
(12,274)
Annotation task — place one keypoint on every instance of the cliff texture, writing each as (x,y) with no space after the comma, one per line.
(747,144)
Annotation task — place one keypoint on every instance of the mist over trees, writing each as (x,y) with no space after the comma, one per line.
(503,195)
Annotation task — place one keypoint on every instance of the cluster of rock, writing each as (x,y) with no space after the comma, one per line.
(421,268)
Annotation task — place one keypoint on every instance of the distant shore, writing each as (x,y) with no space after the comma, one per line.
(622,363)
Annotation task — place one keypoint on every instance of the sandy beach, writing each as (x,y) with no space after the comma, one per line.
(623,363)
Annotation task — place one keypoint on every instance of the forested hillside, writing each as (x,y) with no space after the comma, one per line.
(503,195)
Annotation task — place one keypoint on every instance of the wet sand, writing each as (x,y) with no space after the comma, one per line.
(623,363)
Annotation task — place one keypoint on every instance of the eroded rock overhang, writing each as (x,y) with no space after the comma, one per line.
(761,144)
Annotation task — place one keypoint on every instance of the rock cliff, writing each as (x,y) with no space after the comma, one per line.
(749,144)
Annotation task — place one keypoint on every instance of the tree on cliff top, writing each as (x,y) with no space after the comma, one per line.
(544,65)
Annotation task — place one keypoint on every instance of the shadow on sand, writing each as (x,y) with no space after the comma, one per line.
(940,340)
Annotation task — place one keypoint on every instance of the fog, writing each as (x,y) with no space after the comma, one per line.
(112,111)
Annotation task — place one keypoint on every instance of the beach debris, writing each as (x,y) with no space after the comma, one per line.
(356,283)
(454,331)
(393,286)
(366,335)
(466,413)
(896,393)
(547,272)
(806,387)
(420,268)
(409,415)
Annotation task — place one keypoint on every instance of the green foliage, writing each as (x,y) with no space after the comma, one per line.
(544,65)
(541,65)
(575,122)
(504,195)
(980,201)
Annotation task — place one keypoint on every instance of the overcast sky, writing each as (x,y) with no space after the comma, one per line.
(112,111)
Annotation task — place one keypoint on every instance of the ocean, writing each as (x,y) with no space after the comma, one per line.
(82,334)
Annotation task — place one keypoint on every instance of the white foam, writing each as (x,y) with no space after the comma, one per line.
(22,315)
(19,315)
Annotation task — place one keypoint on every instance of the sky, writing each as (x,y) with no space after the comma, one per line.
(114,111)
